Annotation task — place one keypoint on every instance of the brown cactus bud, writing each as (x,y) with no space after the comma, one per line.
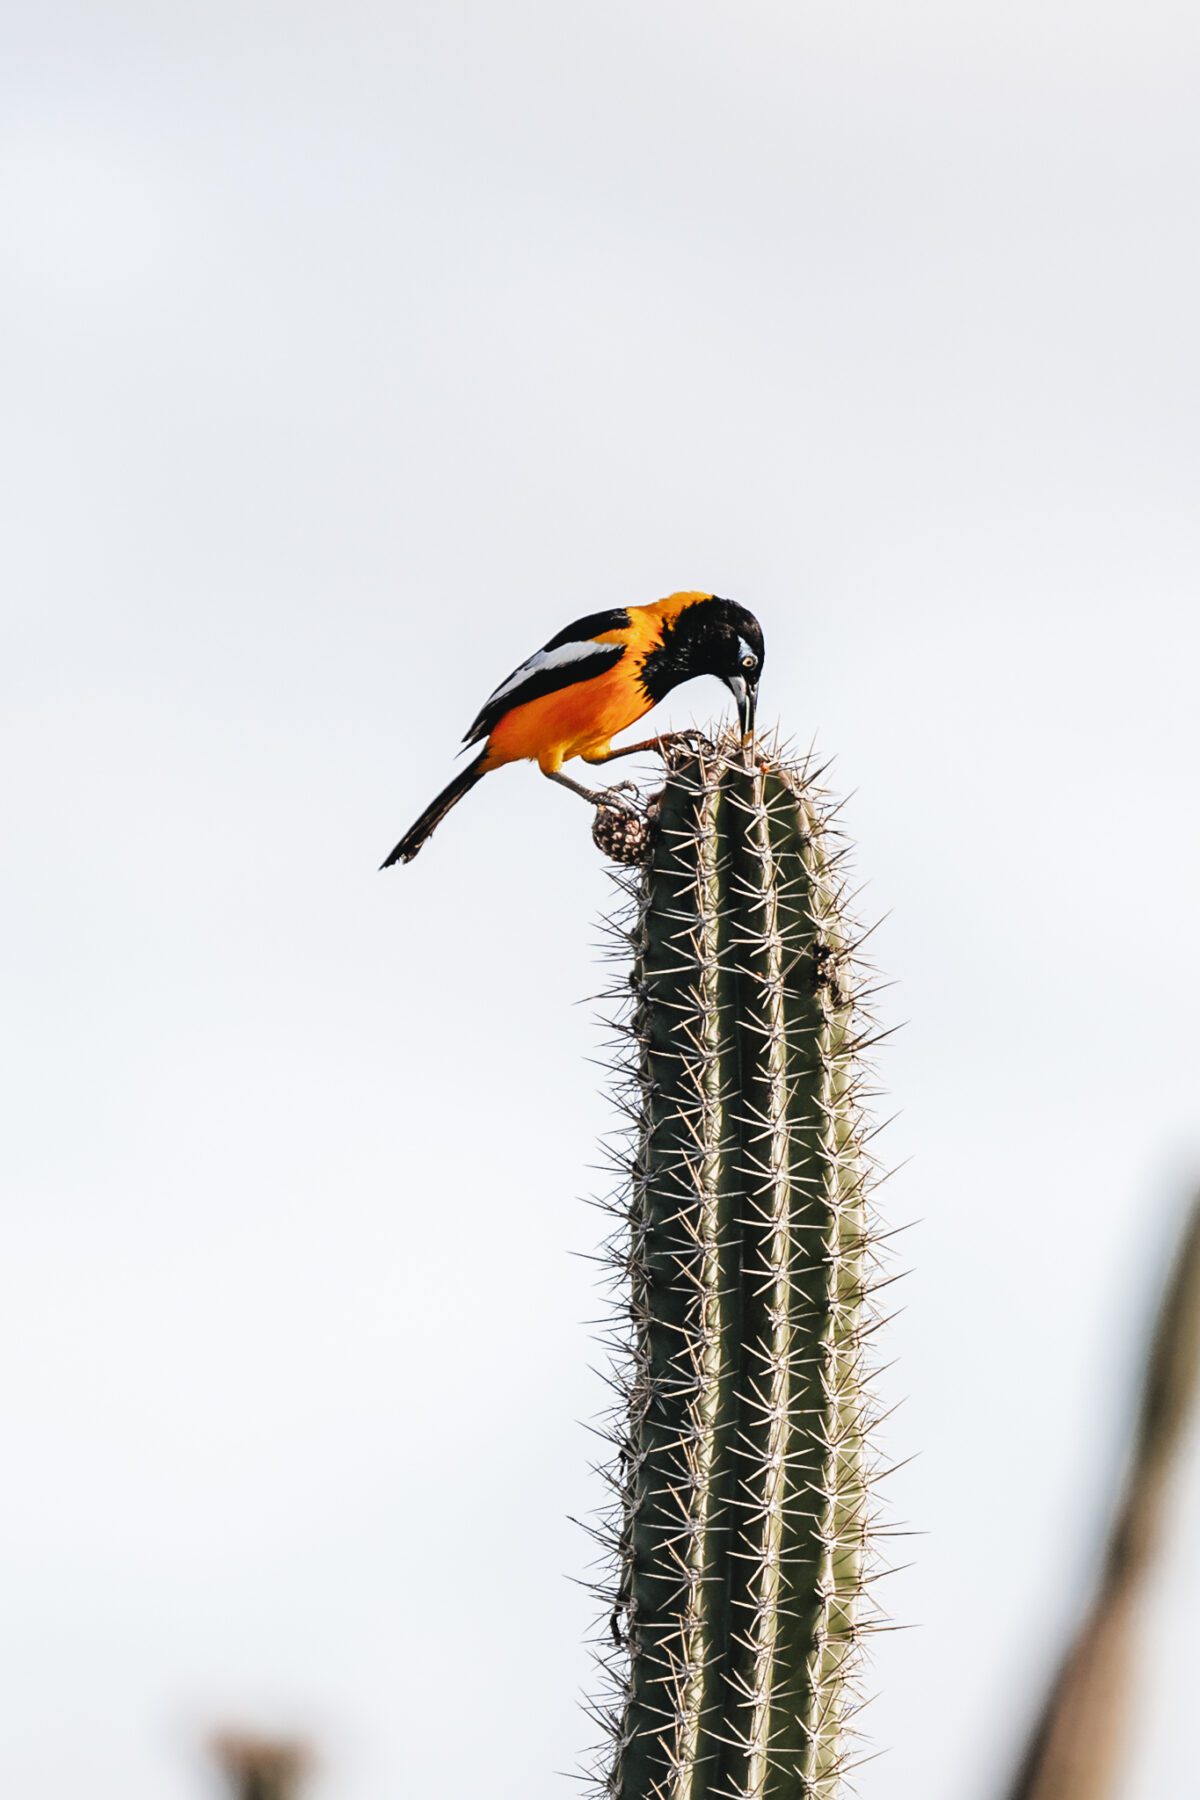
(623,836)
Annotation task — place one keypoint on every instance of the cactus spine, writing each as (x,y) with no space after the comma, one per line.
(741,1515)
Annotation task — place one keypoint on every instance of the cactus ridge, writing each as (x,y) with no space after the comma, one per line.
(738,1549)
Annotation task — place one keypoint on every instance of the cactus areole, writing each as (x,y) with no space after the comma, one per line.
(741,1515)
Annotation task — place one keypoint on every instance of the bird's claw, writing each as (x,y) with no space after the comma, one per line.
(614,796)
(690,738)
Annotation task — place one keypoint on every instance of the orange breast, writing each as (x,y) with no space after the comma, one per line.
(579,720)
(575,721)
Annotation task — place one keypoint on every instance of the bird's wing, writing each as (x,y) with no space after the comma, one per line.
(575,654)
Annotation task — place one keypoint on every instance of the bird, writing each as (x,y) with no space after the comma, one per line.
(593,679)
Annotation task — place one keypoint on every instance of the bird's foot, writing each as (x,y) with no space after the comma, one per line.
(615,795)
(691,738)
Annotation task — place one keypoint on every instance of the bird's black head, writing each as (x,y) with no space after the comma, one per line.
(709,636)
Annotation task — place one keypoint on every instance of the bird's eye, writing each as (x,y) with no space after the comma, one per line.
(749,662)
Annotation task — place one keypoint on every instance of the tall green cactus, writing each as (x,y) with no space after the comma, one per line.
(741,1520)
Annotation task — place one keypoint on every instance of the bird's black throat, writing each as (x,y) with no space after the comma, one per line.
(703,639)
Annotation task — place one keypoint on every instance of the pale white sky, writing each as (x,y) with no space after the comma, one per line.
(350,351)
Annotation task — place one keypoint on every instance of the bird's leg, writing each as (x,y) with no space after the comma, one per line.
(594,796)
(662,745)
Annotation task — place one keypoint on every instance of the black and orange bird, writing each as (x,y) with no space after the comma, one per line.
(592,680)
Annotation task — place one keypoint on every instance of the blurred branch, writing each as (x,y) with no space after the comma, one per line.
(260,1768)
(1074,1752)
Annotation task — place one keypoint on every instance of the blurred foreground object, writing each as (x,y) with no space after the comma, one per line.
(1076,1748)
(262,1768)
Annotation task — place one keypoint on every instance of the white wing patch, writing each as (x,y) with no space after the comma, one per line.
(545,659)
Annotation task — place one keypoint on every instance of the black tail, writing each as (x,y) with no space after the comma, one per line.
(435,812)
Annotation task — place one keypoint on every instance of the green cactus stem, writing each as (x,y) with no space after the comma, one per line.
(742,1515)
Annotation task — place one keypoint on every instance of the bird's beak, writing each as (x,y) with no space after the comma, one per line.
(746,695)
